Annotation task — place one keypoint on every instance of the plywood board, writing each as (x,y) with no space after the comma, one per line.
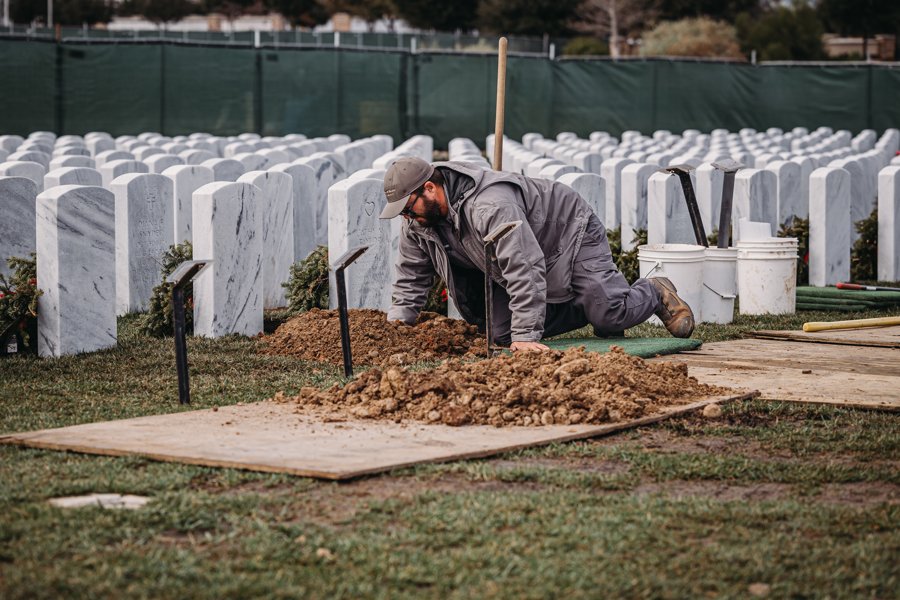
(801,372)
(273,437)
(885,337)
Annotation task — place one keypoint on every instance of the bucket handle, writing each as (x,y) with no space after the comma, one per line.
(720,294)
(655,267)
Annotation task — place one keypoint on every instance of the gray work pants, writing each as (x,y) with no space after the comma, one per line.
(603,297)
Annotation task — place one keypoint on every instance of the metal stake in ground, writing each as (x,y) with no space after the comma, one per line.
(687,186)
(729,167)
(338,267)
(490,240)
(179,278)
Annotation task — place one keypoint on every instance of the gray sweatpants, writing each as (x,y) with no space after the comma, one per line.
(603,297)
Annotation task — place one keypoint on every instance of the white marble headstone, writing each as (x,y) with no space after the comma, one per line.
(116,168)
(160,162)
(353,209)
(862,189)
(196,156)
(31,156)
(889,224)
(110,155)
(17,201)
(325,175)
(668,220)
(76,270)
(144,232)
(829,226)
(755,198)
(590,187)
(10,143)
(71,161)
(276,203)
(29,170)
(611,171)
(185,180)
(788,199)
(228,296)
(252,161)
(225,169)
(709,194)
(72,176)
(305,192)
(634,180)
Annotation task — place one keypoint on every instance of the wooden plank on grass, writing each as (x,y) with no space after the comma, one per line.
(884,337)
(801,372)
(274,437)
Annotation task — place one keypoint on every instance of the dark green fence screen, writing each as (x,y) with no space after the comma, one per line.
(176,89)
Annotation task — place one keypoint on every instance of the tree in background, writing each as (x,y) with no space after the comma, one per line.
(782,34)
(158,11)
(232,9)
(442,16)
(613,18)
(718,10)
(699,36)
(369,11)
(301,13)
(860,17)
(526,17)
(68,12)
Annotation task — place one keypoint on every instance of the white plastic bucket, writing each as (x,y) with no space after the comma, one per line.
(767,276)
(682,264)
(719,285)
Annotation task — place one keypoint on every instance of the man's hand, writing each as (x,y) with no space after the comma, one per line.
(528,346)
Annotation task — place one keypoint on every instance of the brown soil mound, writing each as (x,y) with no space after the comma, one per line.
(524,388)
(316,335)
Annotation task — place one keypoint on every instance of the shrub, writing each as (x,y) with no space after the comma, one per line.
(158,321)
(586,46)
(864,256)
(18,299)
(627,262)
(799,228)
(307,286)
(693,37)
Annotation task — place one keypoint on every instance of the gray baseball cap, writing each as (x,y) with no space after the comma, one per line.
(405,176)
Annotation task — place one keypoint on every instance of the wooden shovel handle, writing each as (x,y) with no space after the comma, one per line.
(501,105)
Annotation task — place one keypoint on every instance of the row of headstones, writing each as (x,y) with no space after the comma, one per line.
(231,217)
(311,178)
(148,153)
(772,194)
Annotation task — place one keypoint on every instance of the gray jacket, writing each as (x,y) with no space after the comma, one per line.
(534,262)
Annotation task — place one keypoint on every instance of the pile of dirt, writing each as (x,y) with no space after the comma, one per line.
(316,335)
(524,388)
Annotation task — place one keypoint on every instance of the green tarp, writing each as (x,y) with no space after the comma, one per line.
(177,89)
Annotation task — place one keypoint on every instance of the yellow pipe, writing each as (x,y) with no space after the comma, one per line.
(855,324)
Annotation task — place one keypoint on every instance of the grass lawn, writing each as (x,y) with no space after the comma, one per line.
(789,500)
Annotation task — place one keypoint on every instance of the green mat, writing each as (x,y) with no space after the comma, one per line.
(833,299)
(643,347)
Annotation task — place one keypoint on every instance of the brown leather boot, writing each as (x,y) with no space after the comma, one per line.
(674,312)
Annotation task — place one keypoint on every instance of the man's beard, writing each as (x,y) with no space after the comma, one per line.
(432,214)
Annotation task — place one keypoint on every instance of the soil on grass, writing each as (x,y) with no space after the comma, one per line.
(524,388)
(316,335)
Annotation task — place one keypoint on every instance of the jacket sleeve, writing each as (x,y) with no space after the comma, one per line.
(415,275)
(520,260)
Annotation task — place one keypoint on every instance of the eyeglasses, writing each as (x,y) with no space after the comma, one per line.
(407,210)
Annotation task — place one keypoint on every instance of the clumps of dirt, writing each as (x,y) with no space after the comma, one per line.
(316,335)
(524,388)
